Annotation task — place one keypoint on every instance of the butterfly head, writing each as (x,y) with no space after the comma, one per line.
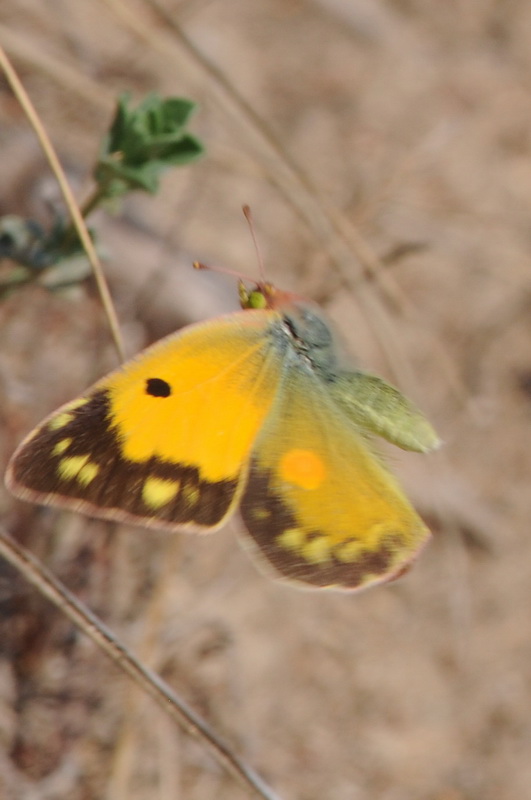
(265,295)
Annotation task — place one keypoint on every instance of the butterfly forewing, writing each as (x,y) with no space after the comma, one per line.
(165,440)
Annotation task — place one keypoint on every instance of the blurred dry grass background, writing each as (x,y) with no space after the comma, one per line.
(413,119)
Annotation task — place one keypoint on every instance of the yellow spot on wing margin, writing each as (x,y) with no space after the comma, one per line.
(60,421)
(61,446)
(292,539)
(77,403)
(349,551)
(191,495)
(69,468)
(156,492)
(87,473)
(317,550)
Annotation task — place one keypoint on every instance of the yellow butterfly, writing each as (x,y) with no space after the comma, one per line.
(255,410)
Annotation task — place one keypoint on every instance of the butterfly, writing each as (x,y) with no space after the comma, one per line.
(252,410)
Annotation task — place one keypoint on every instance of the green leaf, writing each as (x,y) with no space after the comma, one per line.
(144,142)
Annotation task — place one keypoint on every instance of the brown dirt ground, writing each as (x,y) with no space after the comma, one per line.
(413,120)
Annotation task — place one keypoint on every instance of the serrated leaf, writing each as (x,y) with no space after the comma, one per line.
(143,142)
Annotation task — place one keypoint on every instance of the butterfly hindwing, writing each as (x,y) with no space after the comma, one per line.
(163,441)
(376,406)
(319,505)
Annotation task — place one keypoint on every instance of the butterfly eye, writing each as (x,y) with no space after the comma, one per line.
(157,387)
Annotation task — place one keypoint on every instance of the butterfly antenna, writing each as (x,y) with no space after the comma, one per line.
(250,221)
(233,273)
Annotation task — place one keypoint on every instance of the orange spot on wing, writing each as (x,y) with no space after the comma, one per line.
(304,468)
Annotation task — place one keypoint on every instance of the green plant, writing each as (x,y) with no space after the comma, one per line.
(141,144)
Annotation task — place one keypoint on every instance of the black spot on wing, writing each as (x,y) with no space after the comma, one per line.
(157,387)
